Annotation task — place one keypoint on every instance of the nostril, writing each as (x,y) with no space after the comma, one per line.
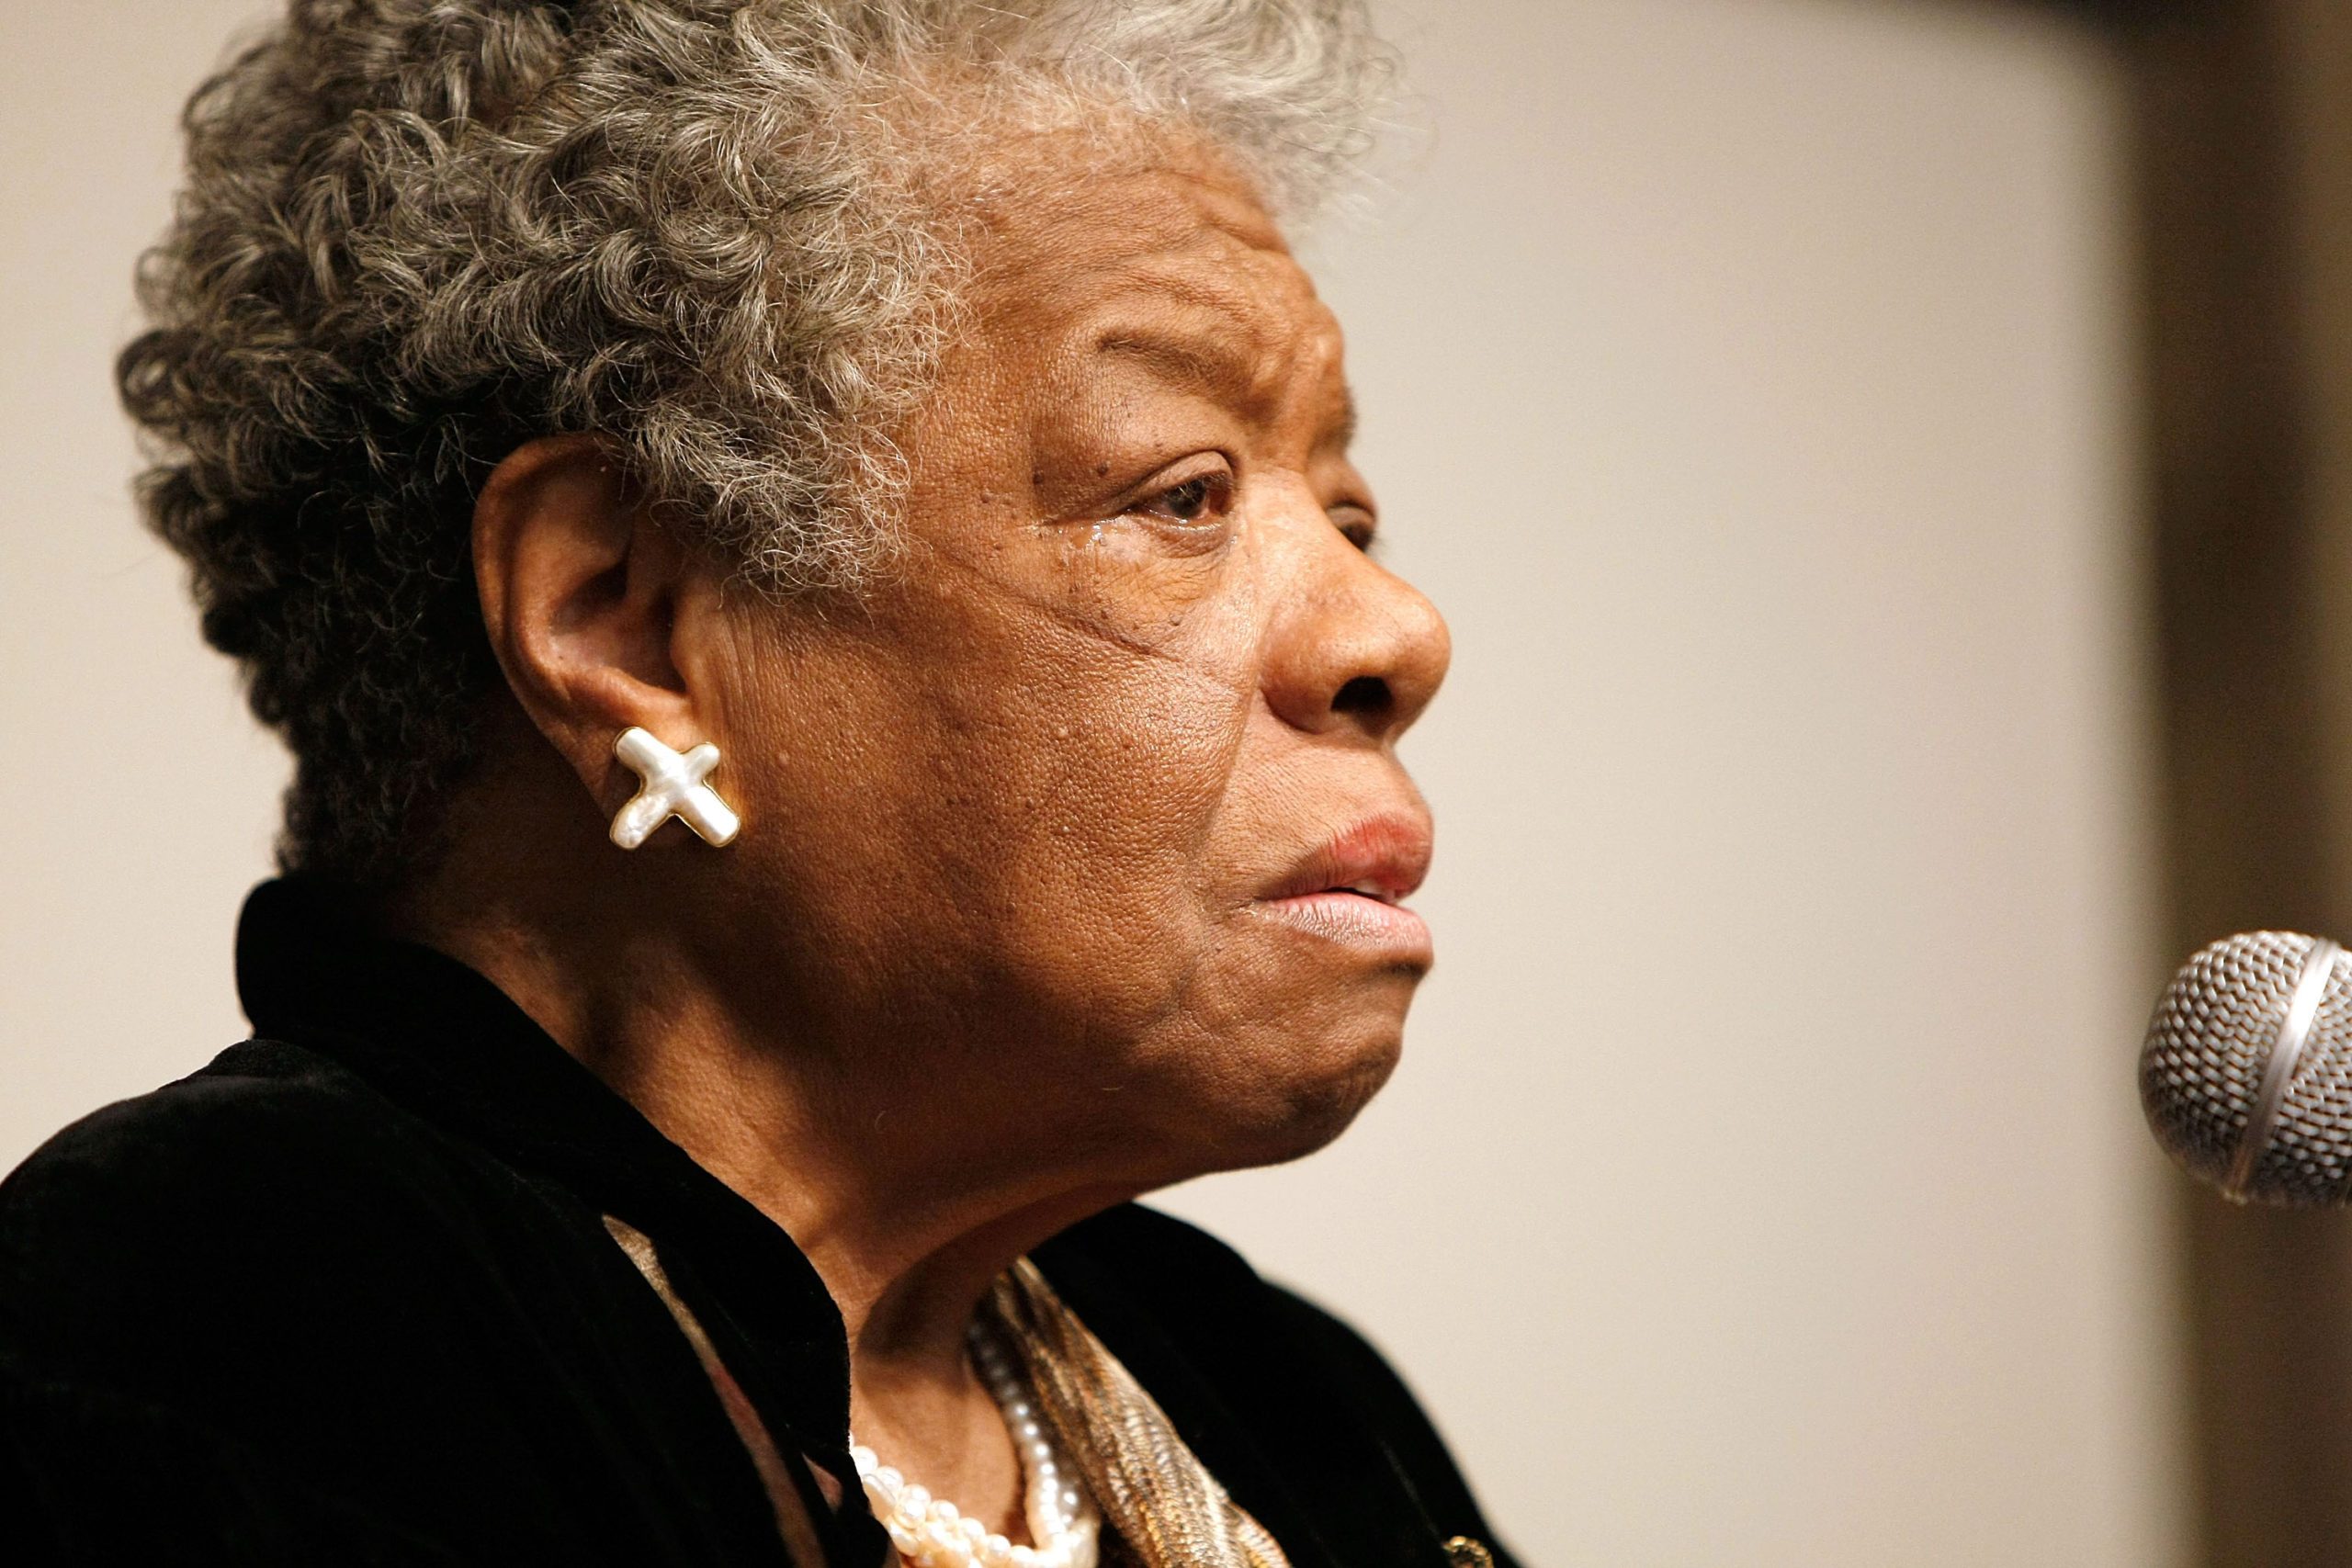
(1366,695)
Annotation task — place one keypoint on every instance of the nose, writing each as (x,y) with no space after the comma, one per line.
(1353,647)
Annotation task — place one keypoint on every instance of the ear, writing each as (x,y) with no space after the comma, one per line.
(580,592)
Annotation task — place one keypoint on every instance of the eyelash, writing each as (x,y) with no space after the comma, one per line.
(1217,488)
(1217,494)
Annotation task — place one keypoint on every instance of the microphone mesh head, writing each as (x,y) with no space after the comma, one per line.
(2202,1067)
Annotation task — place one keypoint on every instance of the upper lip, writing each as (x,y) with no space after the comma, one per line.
(1383,857)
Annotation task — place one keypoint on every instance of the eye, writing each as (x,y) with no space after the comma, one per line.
(1355,525)
(1188,499)
(1197,499)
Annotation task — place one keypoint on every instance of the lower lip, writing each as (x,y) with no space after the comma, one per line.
(1390,930)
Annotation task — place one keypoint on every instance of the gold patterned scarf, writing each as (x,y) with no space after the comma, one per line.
(1161,1508)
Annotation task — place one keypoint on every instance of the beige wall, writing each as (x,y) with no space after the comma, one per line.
(1745,378)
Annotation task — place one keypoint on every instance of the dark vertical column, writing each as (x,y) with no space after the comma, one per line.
(2238,155)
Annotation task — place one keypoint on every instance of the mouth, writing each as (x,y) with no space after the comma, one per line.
(1351,889)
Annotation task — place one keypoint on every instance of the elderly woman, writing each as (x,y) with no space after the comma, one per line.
(844,722)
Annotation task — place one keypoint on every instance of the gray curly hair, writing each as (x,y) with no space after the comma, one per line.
(416,233)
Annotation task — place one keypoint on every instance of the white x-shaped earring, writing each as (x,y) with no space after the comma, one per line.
(673,787)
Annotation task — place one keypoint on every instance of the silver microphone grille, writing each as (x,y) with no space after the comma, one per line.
(2246,1076)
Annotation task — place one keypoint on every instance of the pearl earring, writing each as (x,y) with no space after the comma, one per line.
(673,787)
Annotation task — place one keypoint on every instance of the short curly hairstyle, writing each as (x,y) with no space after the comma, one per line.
(416,233)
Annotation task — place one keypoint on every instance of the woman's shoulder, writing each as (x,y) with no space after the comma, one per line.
(359,1337)
(266,1135)
(263,1212)
(275,1277)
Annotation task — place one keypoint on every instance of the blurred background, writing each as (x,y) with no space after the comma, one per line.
(1888,465)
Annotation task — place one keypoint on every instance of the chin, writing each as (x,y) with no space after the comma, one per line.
(1292,1115)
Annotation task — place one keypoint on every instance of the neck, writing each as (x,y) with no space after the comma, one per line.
(907,1205)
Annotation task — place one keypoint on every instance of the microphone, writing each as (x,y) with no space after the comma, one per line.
(2246,1076)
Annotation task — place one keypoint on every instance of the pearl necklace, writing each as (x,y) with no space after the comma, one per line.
(931,1532)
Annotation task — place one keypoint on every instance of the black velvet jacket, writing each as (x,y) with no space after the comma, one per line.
(346,1296)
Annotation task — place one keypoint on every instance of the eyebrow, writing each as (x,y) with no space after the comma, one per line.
(1195,359)
(1219,367)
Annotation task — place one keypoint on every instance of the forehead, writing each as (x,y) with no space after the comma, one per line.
(1160,256)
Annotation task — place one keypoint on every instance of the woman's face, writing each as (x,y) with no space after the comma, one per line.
(1047,823)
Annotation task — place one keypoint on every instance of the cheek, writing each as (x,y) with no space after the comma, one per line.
(1086,743)
(1094,785)
(992,814)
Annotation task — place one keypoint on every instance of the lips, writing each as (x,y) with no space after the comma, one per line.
(1344,895)
(1383,858)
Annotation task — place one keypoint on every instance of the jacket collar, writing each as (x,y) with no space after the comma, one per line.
(443,1041)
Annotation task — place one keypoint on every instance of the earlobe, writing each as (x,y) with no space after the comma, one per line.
(579,587)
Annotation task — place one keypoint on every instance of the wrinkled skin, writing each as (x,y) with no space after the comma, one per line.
(994,947)
(1022,812)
